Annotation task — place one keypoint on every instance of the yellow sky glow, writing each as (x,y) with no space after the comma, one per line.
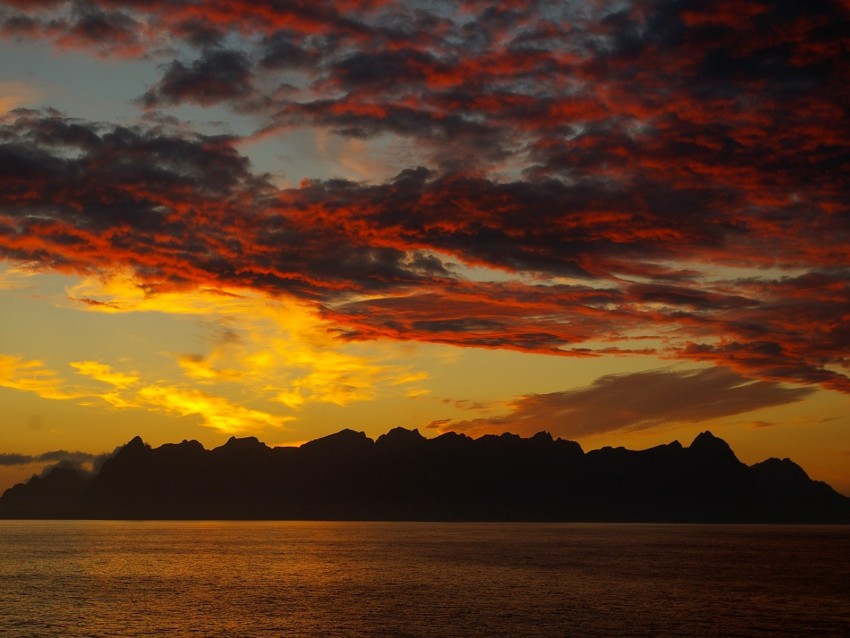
(211,363)
(279,348)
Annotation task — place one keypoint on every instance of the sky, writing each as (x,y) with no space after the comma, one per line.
(621,222)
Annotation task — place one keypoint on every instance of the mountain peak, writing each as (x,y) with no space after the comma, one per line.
(136,442)
(707,441)
(706,436)
(244,443)
(781,469)
(405,476)
(400,439)
(343,441)
(134,447)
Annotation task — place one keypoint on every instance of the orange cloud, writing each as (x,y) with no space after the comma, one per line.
(31,375)
(105,374)
(215,412)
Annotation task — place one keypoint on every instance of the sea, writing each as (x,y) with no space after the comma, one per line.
(324,579)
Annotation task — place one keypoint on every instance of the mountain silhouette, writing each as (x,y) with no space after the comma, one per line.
(405,476)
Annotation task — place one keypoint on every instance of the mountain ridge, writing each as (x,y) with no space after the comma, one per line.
(403,475)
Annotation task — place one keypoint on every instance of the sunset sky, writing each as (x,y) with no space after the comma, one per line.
(621,222)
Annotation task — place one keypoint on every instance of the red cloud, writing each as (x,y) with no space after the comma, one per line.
(645,148)
(185,211)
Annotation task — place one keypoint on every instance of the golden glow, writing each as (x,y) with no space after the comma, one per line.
(411,377)
(18,373)
(216,412)
(210,363)
(104,373)
(278,349)
(15,277)
(14,94)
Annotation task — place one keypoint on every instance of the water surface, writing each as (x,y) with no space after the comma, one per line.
(117,579)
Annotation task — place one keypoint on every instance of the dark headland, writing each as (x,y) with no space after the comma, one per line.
(404,476)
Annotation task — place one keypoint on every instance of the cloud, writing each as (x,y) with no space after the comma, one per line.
(16,277)
(634,402)
(216,412)
(105,374)
(56,456)
(15,459)
(88,26)
(279,352)
(109,33)
(83,462)
(282,349)
(127,391)
(218,75)
(184,212)
(663,177)
(31,375)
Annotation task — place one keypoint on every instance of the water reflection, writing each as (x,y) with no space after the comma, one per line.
(85,578)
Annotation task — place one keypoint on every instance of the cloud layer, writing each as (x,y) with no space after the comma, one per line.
(660,177)
(633,402)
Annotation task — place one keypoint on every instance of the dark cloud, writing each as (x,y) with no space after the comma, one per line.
(15,459)
(20,25)
(218,75)
(33,4)
(290,49)
(669,92)
(200,33)
(107,31)
(186,210)
(687,297)
(618,163)
(386,70)
(455,139)
(79,25)
(179,210)
(635,402)
(56,457)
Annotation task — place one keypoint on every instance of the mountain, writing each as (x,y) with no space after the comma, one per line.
(404,476)
(47,496)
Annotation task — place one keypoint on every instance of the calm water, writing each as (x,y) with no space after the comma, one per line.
(116,579)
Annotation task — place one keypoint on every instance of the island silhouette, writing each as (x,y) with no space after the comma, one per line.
(404,476)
